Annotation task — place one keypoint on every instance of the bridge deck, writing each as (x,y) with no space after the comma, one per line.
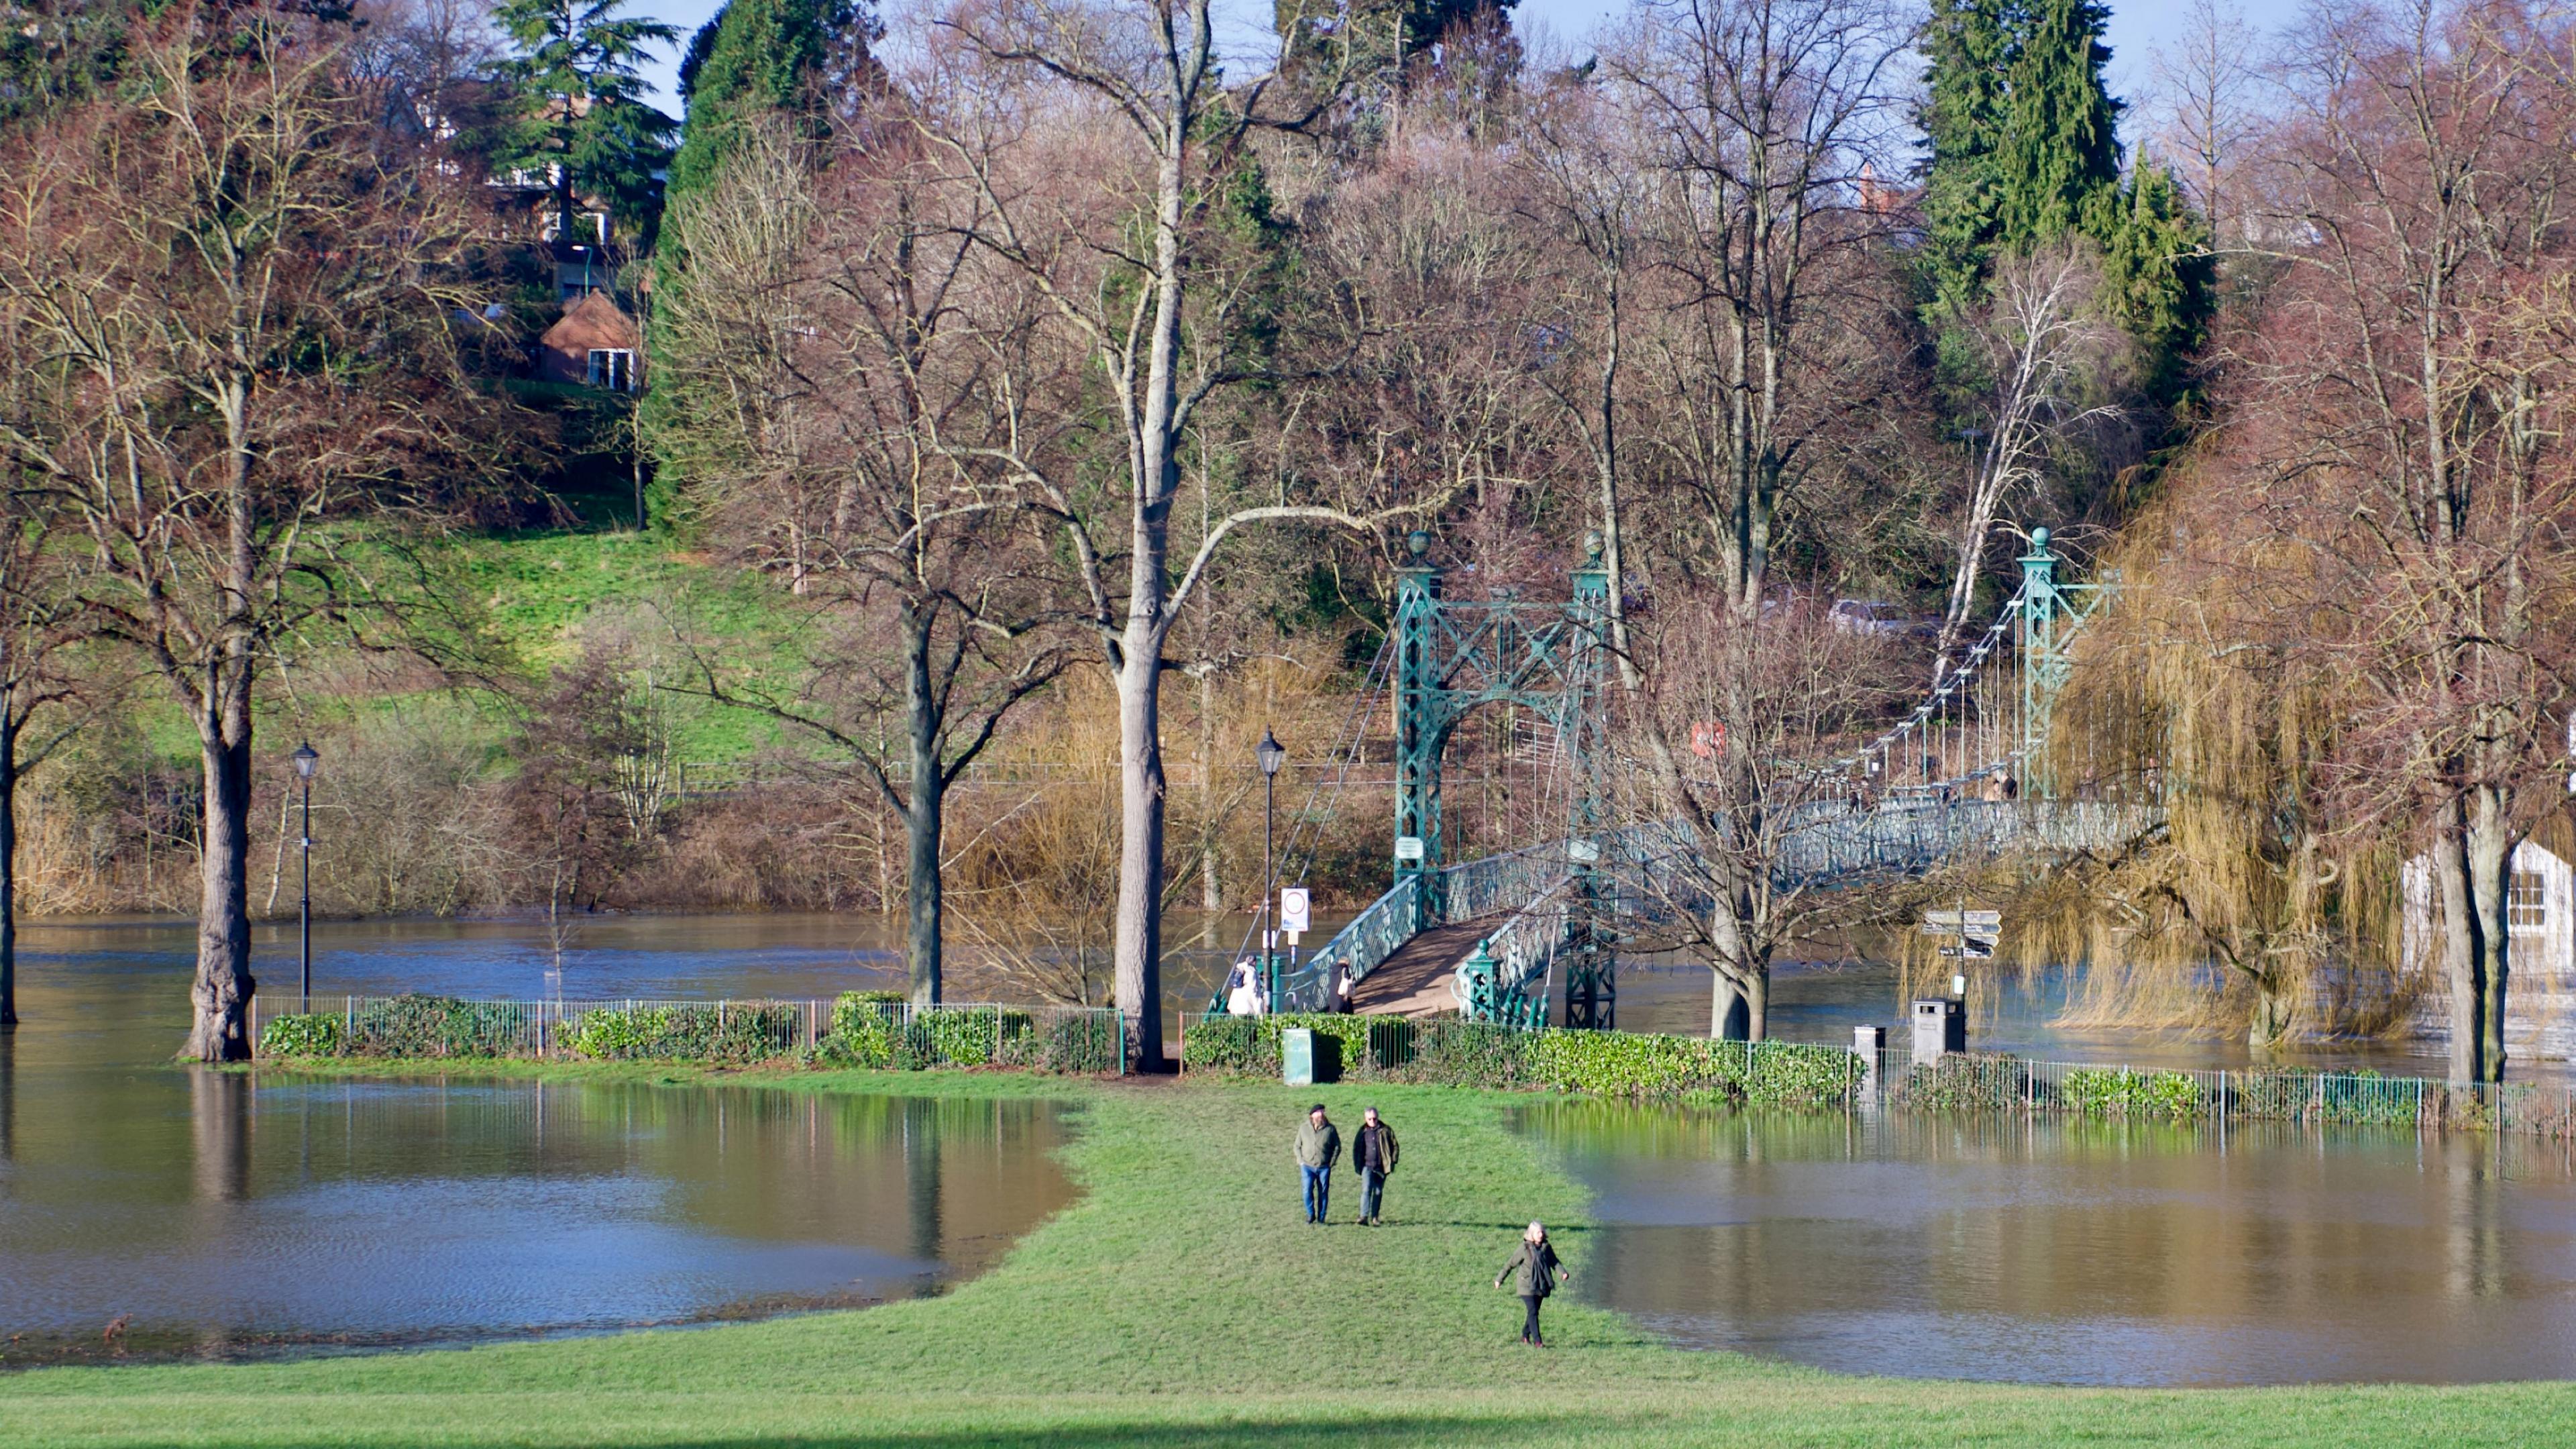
(1415,980)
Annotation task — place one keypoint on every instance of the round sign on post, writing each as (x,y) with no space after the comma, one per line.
(1294,910)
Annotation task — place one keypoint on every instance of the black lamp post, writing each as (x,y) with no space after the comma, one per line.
(1272,755)
(305,760)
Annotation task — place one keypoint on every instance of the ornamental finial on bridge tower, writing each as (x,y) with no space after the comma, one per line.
(1592,546)
(2039,539)
(1417,543)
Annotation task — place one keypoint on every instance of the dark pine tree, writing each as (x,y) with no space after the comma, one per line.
(581,120)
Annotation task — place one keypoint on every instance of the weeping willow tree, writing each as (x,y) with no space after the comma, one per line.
(2250,910)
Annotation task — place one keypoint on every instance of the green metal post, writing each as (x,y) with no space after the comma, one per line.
(2043,662)
(1421,728)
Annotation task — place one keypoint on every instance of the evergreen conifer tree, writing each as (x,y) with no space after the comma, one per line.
(2023,150)
(2057,150)
(755,59)
(581,116)
(1969,46)
(758,57)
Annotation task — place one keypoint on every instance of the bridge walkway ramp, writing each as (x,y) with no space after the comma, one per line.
(1415,980)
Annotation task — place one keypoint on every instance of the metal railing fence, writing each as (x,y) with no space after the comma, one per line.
(1973,1082)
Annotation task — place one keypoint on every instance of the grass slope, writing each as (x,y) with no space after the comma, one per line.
(1183,1302)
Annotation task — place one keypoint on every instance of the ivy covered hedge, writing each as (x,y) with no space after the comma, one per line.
(1472,1054)
(2122,1092)
(317,1035)
(420,1025)
(732,1034)
(870,1030)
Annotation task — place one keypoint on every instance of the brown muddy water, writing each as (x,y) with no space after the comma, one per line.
(2055,1251)
(151,1211)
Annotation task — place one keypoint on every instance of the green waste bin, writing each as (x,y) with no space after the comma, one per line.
(1305,1058)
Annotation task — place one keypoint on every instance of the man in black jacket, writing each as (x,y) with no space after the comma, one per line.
(1375,1154)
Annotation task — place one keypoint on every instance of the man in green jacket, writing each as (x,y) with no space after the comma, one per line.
(1319,1146)
(1374,1154)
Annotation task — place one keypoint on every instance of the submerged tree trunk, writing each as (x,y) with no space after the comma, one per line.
(2271,1015)
(223,985)
(8,875)
(922,817)
(2460,954)
(2488,853)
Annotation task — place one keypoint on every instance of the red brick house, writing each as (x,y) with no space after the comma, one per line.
(595,344)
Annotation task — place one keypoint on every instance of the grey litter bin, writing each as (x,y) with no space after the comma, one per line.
(1306,1059)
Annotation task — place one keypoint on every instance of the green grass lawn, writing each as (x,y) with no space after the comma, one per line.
(1183,1302)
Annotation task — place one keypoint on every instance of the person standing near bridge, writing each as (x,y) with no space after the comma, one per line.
(1319,1146)
(1373,1153)
(1535,1271)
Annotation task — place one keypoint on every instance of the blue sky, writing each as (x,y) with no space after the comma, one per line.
(2136,26)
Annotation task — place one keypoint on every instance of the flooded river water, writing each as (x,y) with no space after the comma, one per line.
(2058,1251)
(218,1213)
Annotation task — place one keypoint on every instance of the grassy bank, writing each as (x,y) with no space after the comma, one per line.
(1183,1302)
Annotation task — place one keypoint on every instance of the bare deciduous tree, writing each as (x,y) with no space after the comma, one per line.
(237,293)
(1787,692)
(856,377)
(2404,422)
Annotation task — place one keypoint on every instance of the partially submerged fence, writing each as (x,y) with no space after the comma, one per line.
(1975,1082)
(855,1029)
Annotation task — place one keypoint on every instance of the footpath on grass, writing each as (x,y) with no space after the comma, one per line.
(1183,1301)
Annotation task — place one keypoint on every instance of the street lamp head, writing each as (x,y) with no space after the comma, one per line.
(1271,753)
(306,759)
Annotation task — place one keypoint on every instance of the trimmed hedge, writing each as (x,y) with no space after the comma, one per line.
(869,1030)
(734,1033)
(1448,1052)
(317,1035)
(420,1025)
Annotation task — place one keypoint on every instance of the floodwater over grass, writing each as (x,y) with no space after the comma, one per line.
(2058,1251)
(225,1213)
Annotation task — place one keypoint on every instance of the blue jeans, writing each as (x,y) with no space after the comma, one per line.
(1372,1188)
(1319,1189)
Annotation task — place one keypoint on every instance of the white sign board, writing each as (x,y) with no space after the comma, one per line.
(1408,847)
(1947,923)
(1293,911)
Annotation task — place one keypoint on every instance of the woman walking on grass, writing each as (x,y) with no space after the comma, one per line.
(1538,1272)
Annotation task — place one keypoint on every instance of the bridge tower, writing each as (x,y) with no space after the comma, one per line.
(2052,611)
(1452,656)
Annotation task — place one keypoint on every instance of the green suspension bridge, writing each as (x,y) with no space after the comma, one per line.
(1964,775)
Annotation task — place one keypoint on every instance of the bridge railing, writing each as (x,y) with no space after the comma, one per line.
(1521,953)
(1505,882)
(1372,936)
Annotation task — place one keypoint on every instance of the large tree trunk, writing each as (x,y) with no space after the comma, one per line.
(2460,954)
(922,820)
(1140,846)
(2271,1015)
(224,984)
(2489,855)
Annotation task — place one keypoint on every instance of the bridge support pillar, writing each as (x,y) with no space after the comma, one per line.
(2043,664)
(1420,731)
(1591,981)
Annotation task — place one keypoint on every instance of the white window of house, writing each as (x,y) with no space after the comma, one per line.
(2526,903)
(612,367)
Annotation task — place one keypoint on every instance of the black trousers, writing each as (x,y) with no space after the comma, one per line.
(1372,1188)
(1529,1325)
